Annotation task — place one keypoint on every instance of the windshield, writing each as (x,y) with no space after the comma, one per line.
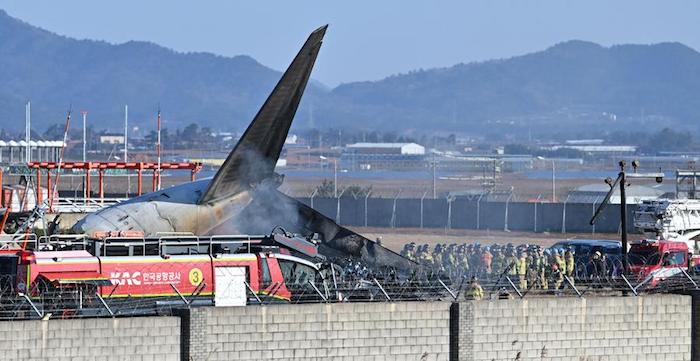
(644,256)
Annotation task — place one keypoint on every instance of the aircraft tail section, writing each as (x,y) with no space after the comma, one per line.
(254,157)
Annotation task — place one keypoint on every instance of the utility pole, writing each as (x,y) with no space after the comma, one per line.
(158,152)
(623,215)
(335,178)
(126,148)
(126,133)
(621,181)
(84,113)
(434,178)
(28,132)
(554,184)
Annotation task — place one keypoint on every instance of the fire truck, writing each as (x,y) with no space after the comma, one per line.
(232,270)
(656,260)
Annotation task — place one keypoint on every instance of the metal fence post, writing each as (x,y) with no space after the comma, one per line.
(594,203)
(421,208)
(563,216)
(366,196)
(312,197)
(478,211)
(393,210)
(449,211)
(505,222)
(536,201)
(337,209)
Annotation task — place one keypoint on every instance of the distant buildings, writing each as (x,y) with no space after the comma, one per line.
(112,139)
(594,147)
(13,152)
(372,156)
(635,194)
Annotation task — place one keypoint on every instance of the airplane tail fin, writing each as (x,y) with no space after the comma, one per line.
(254,157)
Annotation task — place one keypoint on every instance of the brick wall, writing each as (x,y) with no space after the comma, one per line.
(595,328)
(132,339)
(359,331)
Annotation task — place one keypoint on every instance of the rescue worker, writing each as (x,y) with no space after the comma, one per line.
(407,251)
(556,272)
(521,267)
(511,263)
(498,264)
(487,259)
(570,264)
(425,256)
(539,265)
(599,266)
(561,267)
(475,291)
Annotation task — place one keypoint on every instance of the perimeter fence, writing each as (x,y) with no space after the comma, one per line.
(470,213)
(49,300)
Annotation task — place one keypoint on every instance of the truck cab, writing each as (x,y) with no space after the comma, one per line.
(659,259)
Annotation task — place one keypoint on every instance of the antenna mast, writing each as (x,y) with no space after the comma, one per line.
(84,113)
(126,133)
(158,153)
(28,132)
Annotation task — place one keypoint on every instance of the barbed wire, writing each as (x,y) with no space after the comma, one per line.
(46,299)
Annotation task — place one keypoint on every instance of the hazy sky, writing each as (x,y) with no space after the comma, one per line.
(367,40)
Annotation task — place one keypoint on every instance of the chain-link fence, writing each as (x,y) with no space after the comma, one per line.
(50,300)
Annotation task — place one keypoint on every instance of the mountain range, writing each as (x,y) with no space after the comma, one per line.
(574,86)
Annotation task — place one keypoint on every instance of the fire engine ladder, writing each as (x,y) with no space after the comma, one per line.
(669,218)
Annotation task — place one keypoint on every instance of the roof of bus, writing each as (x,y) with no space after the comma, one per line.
(589,242)
(61,254)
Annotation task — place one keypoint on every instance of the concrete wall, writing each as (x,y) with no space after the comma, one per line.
(596,328)
(581,329)
(358,331)
(133,339)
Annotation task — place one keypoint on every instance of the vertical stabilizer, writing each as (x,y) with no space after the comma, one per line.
(254,157)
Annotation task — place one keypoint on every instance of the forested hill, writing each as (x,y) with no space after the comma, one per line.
(572,85)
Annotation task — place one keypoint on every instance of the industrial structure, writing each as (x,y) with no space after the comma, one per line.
(13,152)
(373,156)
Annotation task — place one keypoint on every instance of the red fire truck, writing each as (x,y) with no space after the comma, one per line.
(231,269)
(657,260)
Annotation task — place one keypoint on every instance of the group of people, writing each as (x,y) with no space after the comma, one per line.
(525,265)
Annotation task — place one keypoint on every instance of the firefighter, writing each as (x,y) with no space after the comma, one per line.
(511,263)
(556,273)
(542,268)
(561,267)
(599,267)
(487,260)
(425,257)
(521,267)
(475,291)
(499,260)
(570,264)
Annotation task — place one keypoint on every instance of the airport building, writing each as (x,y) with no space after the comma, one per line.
(12,151)
(372,156)
(635,194)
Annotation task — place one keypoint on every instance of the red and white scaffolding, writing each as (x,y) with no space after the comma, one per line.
(101,167)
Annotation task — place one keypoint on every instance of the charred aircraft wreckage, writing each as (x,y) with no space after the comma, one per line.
(242,197)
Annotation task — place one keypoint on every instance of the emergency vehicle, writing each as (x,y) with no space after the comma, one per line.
(656,260)
(233,270)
